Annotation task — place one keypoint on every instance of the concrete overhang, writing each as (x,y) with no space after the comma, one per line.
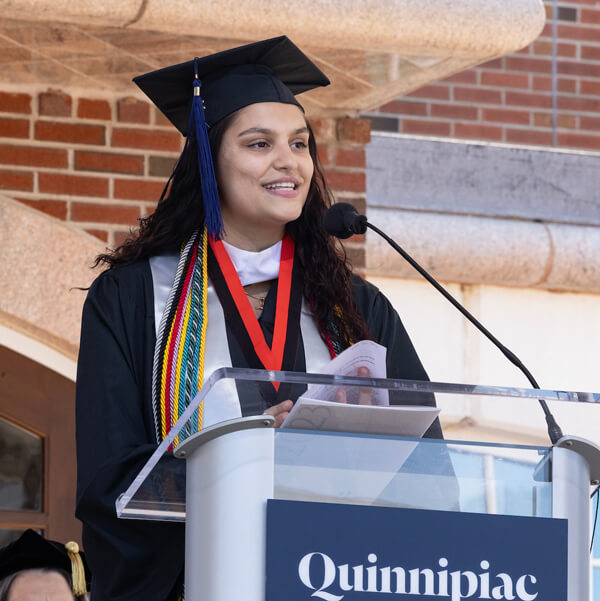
(373,50)
(44,263)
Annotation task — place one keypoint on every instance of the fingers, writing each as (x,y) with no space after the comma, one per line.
(364,394)
(280,412)
(340,396)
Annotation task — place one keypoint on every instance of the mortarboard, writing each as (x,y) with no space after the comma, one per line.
(199,93)
(32,551)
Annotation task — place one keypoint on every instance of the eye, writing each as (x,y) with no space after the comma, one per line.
(300,144)
(258,144)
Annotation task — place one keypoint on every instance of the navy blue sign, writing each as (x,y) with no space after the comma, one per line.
(332,552)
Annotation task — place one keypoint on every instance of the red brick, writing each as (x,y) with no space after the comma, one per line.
(591,52)
(120,237)
(55,103)
(589,123)
(132,110)
(350,157)
(571,103)
(506,116)
(15,103)
(100,234)
(531,65)
(104,161)
(477,95)
(104,213)
(591,88)
(72,185)
(133,189)
(425,128)
(16,180)
(527,99)
(143,138)
(454,111)
(528,136)
(468,77)
(578,68)
(345,181)
(159,119)
(577,33)
(541,83)
(505,80)
(33,156)
(567,85)
(356,131)
(405,107)
(564,84)
(496,63)
(579,141)
(545,48)
(55,208)
(323,129)
(323,154)
(89,108)
(433,91)
(69,132)
(481,132)
(564,121)
(590,16)
(14,128)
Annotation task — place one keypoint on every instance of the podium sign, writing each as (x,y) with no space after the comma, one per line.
(335,552)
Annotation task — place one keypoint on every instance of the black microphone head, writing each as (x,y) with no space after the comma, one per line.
(342,220)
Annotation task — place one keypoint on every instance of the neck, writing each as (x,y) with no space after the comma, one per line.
(252,240)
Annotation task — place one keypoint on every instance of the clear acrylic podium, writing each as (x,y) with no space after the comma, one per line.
(218,479)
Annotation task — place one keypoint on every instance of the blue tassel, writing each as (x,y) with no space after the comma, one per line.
(208,182)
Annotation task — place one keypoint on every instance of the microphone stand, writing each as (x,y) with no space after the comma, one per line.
(554,430)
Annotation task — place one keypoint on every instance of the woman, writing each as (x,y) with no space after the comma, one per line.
(175,301)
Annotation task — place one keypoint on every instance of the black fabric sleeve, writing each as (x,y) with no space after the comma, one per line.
(387,329)
(129,559)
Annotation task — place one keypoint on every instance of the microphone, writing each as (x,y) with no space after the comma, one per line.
(342,220)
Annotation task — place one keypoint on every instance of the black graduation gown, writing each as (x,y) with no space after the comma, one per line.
(133,560)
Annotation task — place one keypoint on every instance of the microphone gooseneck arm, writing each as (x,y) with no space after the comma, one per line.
(554,430)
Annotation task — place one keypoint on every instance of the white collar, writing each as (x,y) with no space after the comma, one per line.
(253,267)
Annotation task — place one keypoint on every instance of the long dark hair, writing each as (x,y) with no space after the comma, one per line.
(326,269)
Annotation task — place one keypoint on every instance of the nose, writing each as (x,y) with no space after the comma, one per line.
(284,158)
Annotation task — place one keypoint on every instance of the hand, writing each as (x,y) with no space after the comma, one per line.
(280,411)
(364,394)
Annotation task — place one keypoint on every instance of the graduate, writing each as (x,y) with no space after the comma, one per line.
(233,268)
(32,567)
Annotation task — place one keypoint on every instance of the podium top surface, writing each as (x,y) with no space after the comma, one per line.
(379,446)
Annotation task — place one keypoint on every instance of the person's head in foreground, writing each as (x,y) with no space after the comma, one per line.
(35,569)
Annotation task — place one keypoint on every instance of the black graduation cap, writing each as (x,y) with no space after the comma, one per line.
(273,70)
(197,94)
(32,551)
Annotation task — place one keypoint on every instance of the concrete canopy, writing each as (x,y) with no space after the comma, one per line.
(43,264)
(373,50)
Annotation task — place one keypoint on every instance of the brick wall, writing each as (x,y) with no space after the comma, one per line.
(102,163)
(510,99)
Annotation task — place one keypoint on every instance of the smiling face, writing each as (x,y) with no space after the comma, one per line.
(264,171)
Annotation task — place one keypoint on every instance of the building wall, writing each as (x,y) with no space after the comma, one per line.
(101,162)
(511,99)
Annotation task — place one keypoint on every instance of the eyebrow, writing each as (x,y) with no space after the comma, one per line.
(267,132)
